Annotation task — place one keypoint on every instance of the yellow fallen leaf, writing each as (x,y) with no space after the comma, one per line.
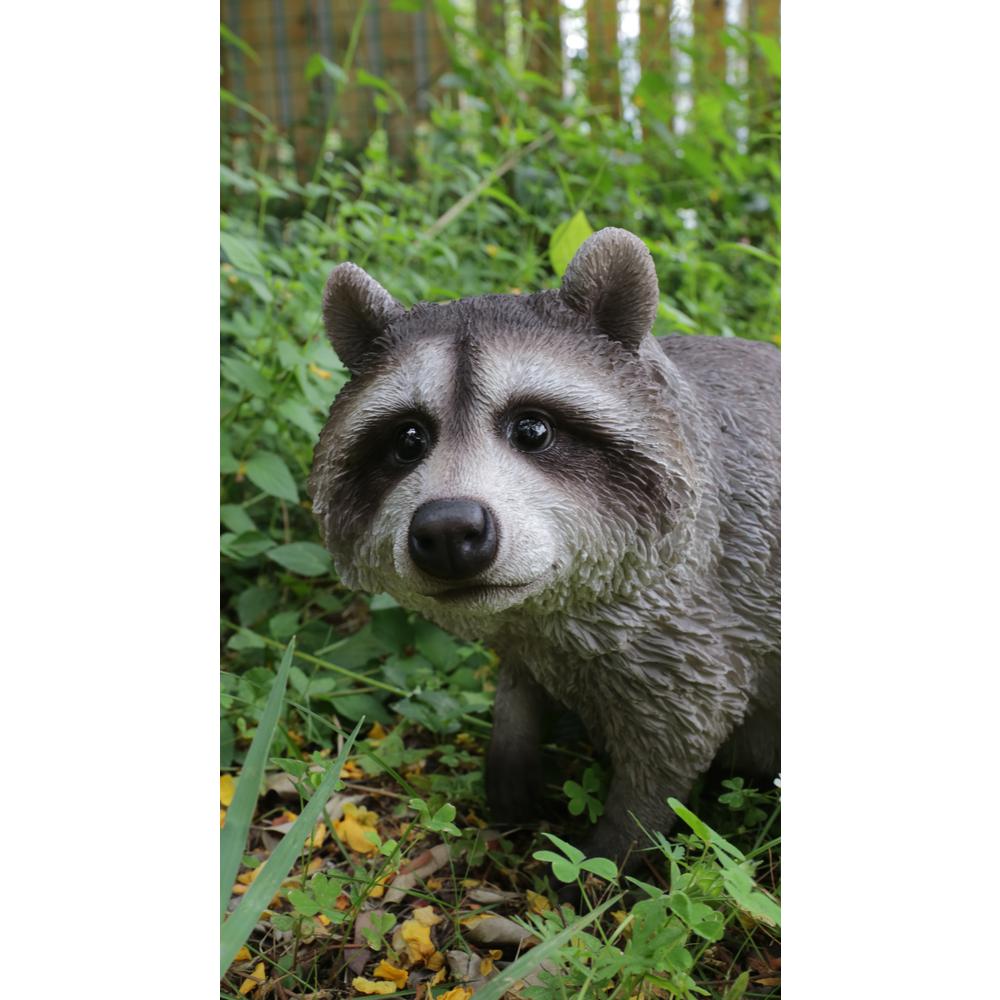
(434,884)
(369,988)
(441,974)
(377,891)
(426,916)
(477,918)
(377,732)
(537,903)
(471,883)
(436,961)
(227,787)
(222,818)
(351,829)
(323,919)
(247,877)
(456,993)
(487,964)
(386,971)
(243,955)
(417,940)
(319,835)
(253,980)
(351,771)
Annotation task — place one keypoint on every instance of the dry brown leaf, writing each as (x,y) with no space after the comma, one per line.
(420,867)
(492,930)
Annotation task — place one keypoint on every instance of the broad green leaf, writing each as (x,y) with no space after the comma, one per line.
(568,237)
(269,473)
(318,65)
(246,377)
(234,834)
(300,415)
(573,853)
(241,254)
(304,558)
(603,867)
(236,519)
(305,904)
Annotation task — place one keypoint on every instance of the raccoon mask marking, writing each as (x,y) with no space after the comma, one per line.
(539,472)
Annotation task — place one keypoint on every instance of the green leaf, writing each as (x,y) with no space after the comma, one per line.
(236,519)
(304,558)
(573,853)
(269,473)
(739,987)
(234,834)
(566,240)
(302,902)
(234,39)
(246,377)
(299,414)
(242,920)
(318,65)
(241,254)
(367,80)
(603,867)
(495,988)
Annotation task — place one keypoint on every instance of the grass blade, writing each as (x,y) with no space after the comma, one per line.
(241,921)
(496,988)
(233,837)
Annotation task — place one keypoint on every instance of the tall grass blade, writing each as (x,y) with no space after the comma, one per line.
(496,988)
(241,921)
(233,837)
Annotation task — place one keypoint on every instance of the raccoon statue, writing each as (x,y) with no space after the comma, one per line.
(601,507)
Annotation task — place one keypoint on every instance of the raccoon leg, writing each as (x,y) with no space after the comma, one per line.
(514,760)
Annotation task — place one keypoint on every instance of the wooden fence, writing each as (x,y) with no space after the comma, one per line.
(402,43)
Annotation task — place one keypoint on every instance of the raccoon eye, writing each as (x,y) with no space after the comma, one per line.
(410,443)
(531,432)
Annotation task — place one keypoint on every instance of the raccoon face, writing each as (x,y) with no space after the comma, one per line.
(500,456)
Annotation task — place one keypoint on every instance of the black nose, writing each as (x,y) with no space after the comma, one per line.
(452,539)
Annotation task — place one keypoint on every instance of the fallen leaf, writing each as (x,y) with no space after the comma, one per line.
(426,916)
(377,732)
(243,955)
(352,829)
(489,896)
(227,788)
(253,980)
(537,903)
(456,993)
(386,971)
(351,772)
(414,938)
(368,987)
(490,929)
(420,867)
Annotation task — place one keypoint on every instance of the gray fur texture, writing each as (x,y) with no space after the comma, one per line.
(636,578)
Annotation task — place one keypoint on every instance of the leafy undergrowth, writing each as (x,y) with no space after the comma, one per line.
(399,886)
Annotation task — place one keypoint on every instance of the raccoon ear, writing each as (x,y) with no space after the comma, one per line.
(612,280)
(357,310)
